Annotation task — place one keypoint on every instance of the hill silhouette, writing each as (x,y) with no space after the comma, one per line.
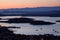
(39,11)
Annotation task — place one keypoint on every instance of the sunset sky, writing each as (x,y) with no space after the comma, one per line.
(27,3)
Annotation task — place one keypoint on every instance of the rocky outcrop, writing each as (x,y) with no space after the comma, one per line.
(41,23)
(58,21)
(6,34)
(19,20)
(28,20)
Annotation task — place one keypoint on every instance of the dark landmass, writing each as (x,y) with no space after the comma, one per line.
(19,20)
(41,23)
(38,11)
(58,21)
(6,34)
(0,18)
(27,20)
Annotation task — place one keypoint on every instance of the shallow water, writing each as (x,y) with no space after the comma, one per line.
(28,29)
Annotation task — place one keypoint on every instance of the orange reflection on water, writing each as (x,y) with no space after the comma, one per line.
(5,24)
(11,17)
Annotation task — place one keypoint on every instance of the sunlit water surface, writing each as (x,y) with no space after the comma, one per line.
(28,29)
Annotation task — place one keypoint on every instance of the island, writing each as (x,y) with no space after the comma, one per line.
(28,20)
(18,20)
(58,21)
(38,22)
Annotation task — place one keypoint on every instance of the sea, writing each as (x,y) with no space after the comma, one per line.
(28,29)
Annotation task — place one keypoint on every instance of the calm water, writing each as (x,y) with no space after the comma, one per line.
(28,29)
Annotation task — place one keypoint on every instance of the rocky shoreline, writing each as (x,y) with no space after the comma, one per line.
(6,34)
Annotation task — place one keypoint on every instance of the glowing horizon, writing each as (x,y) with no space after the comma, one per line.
(27,3)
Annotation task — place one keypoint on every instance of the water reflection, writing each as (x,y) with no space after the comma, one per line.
(5,24)
(28,29)
(8,17)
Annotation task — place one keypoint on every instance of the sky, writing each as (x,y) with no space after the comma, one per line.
(27,3)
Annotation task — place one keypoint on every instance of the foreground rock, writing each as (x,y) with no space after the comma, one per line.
(0,18)
(41,23)
(6,34)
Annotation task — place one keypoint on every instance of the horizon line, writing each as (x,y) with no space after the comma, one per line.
(28,7)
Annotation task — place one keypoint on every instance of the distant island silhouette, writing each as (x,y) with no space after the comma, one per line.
(27,20)
(38,11)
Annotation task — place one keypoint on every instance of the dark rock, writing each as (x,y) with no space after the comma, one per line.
(58,21)
(19,20)
(6,34)
(41,23)
(56,31)
(0,18)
